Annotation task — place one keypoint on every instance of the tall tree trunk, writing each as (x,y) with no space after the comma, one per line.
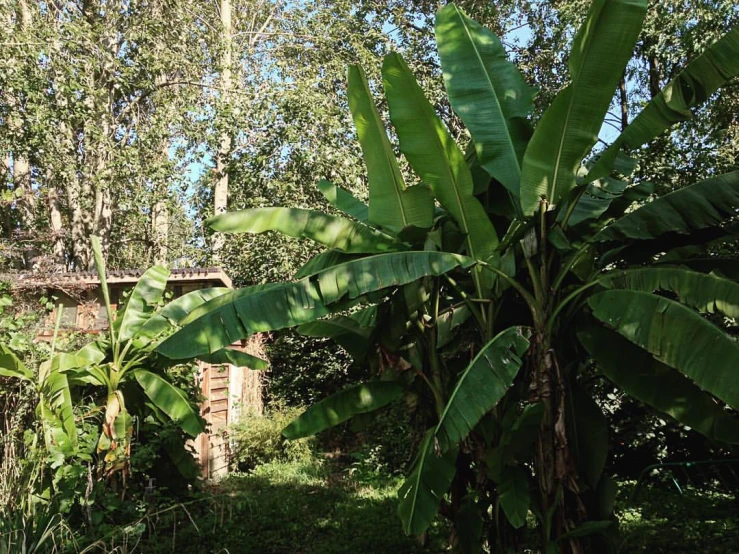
(24,189)
(95,193)
(21,167)
(160,232)
(220,193)
(624,102)
(56,222)
(655,76)
(7,219)
(160,212)
(554,464)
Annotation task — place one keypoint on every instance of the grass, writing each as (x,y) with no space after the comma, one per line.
(311,508)
(290,508)
(664,521)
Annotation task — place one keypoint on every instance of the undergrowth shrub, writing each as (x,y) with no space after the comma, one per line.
(257,439)
(305,370)
(386,440)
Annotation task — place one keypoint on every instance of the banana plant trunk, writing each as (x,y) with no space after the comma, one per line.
(554,465)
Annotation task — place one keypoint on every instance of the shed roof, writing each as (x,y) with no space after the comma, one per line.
(85,279)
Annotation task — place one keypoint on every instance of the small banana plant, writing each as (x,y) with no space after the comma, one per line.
(122,369)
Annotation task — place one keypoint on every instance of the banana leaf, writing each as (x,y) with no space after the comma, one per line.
(482,385)
(331,231)
(358,399)
(421,494)
(438,161)
(635,371)
(676,336)
(569,127)
(171,400)
(391,204)
(702,205)
(238,314)
(708,293)
(717,65)
(235,357)
(174,313)
(56,395)
(514,495)
(142,302)
(12,366)
(487,92)
(344,201)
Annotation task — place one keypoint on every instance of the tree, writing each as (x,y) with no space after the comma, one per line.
(97,100)
(531,265)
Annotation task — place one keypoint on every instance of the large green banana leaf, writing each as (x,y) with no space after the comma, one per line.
(569,127)
(96,351)
(12,366)
(699,206)
(708,293)
(54,432)
(56,395)
(658,385)
(436,158)
(421,494)
(234,357)
(55,402)
(608,195)
(448,322)
(171,400)
(482,385)
(718,64)
(391,204)
(331,231)
(344,201)
(238,314)
(80,369)
(676,336)
(142,301)
(487,92)
(353,279)
(339,407)
(515,495)
(174,313)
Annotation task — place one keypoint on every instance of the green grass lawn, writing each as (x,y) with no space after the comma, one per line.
(290,508)
(305,508)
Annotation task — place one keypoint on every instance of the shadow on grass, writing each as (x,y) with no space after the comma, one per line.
(289,509)
(664,521)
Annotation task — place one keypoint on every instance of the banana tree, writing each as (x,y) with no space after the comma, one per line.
(54,407)
(490,311)
(123,364)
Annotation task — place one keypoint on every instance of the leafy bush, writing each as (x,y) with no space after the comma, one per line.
(306,369)
(303,370)
(257,439)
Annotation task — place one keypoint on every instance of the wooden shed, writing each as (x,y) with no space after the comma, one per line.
(228,390)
